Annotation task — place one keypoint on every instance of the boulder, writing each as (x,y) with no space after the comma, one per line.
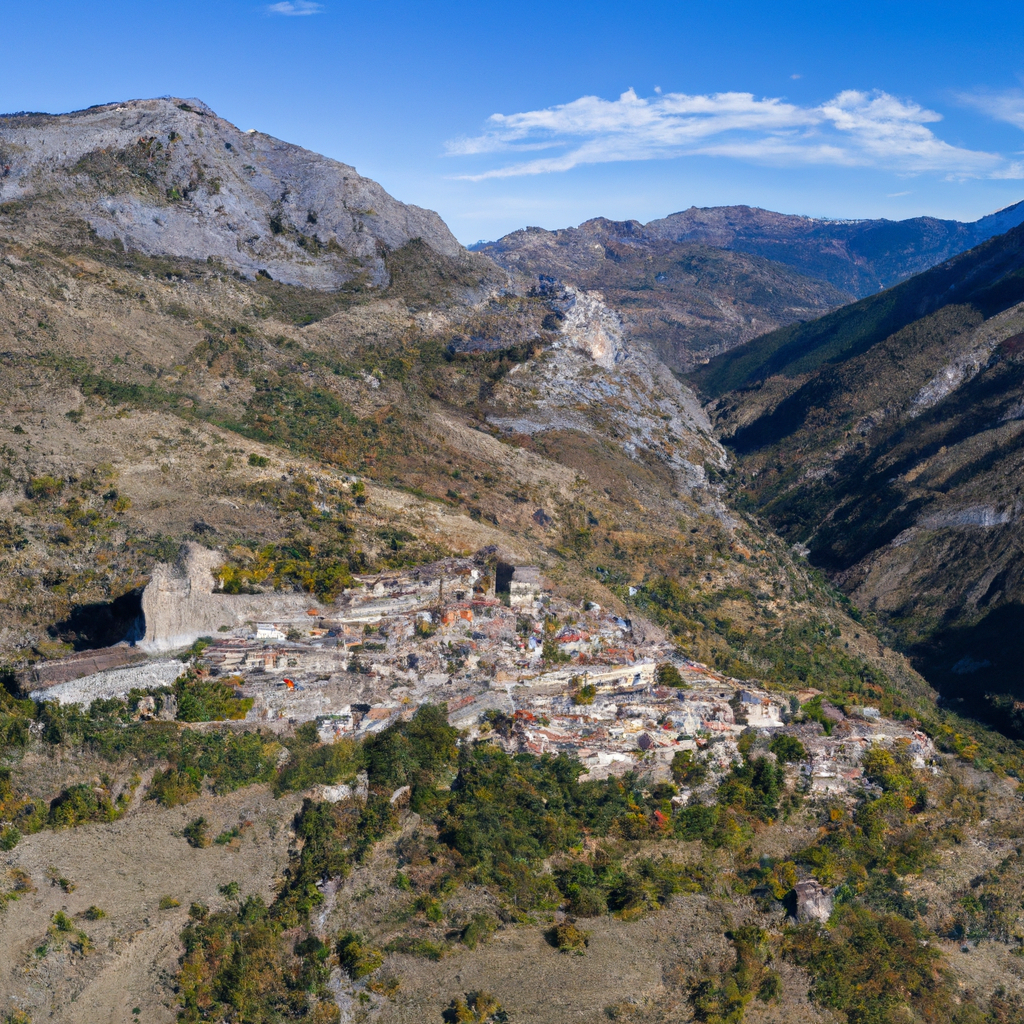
(813,902)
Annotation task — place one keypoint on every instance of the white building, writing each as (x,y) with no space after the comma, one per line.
(268,631)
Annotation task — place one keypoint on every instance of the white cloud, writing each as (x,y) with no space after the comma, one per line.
(295,8)
(1003,106)
(852,129)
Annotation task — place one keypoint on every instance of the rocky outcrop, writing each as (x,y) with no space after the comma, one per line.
(179,604)
(594,329)
(169,177)
(813,902)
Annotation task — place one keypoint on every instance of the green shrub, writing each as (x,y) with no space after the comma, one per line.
(480,928)
(82,802)
(668,675)
(430,908)
(356,956)
(814,712)
(10,836)
(553,653)
(721,999)
(261,461)
(567,938)
(754,787)
(788,748)
(585,694)
(175,786)
(168,903)
(206,700)
(474,1008)
(687,769)
(62,922)
(197,833)
(44,487)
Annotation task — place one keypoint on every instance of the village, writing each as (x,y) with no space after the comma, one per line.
(511,660)
(531,671)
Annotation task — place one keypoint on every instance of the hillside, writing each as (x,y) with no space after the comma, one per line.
(884,439)
(381,640)
(688,301)
(154,376)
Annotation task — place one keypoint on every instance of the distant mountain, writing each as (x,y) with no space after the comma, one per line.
(169,177)
(858,256)
(887,439)
(689,300)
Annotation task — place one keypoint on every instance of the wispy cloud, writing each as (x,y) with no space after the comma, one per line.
(1003,106)
(295,8)
(852,129)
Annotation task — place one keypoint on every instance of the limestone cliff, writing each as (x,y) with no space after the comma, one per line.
(170,177)
(179,604)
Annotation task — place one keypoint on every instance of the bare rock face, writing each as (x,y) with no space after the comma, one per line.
(170,177)
(594,329)
(813,902)
(179,604)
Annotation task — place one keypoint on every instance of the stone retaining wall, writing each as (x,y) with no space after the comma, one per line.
(115,683)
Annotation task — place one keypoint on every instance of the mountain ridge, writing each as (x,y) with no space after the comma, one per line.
(858,256)
(168,176)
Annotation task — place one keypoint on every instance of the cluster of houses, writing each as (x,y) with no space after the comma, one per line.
(527,669)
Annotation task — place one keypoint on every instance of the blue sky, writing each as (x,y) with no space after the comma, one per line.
(503,115)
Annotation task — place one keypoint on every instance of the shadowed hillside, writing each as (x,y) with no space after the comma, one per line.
(886,439)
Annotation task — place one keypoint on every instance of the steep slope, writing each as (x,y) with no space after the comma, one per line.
(689,301)
(858,256)
(540,418)
(886,439)
(169,177)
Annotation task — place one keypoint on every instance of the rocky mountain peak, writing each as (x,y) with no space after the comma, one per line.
(169,177)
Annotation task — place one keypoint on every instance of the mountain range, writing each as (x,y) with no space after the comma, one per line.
(670,572)
(697,283)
